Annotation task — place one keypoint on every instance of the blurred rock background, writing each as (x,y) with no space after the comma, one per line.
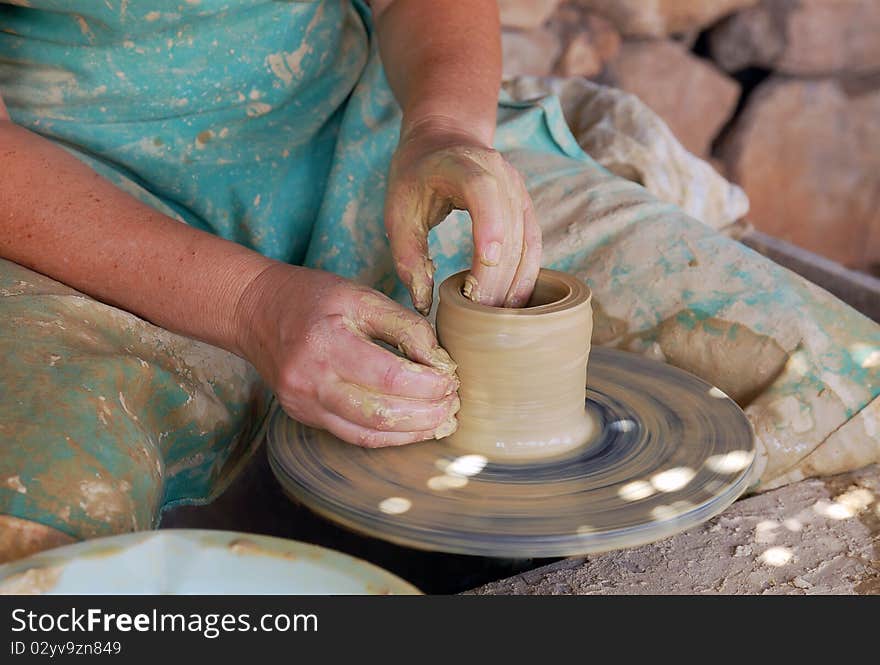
(780,96)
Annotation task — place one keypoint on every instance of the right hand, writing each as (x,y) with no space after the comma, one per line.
(437,169)
(311,335)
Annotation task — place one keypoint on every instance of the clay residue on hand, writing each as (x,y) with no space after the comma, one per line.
(373,406)
(394,325)
(441,360)
(446,429)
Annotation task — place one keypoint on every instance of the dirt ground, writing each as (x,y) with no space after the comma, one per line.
(812,537)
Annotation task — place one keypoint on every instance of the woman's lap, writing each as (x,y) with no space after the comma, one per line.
(105,418)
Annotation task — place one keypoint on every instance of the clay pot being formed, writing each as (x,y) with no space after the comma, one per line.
(522,371)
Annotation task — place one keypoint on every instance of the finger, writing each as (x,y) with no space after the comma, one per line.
(359,360)
(497,229)
(371,438)
(530,262)
(407,228)
(387,413)
(381,318)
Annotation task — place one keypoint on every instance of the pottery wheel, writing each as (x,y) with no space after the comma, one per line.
(671,452)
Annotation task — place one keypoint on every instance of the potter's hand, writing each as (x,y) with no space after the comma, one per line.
(436,171)
(310,335)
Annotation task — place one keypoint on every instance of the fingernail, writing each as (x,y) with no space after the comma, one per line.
(421,296)
(442,360)
(469,288)
(492,254)
(454,385)
(446,429)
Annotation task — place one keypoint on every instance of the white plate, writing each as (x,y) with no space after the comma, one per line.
(189,561)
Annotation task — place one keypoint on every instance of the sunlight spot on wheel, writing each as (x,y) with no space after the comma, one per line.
(731,462)
(672,480)
(446,482)
(395,505)
(466,465)
(635,491)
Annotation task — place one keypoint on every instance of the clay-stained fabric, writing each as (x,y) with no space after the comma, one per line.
(222,113)
(104,418)
(625,136)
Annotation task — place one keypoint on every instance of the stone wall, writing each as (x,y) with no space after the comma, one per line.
(781,96)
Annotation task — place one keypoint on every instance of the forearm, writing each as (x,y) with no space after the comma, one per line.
(443,61)
(60,218)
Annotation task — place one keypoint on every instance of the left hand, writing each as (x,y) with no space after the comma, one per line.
(437,170)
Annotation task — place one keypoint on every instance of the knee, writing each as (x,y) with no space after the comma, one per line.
(20,538)
(76,491)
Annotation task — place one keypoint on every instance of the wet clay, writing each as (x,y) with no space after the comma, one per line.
(522,371)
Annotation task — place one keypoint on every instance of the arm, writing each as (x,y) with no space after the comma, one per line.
(62,219)
(443,62)
(308,333)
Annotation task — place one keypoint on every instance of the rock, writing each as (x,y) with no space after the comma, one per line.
(526,14)
(586,53)
(719,166)
(807,154)
(660,18)
(750,38)
(532,52)
(808,37)
(690,94)
(687,39)
(580,59)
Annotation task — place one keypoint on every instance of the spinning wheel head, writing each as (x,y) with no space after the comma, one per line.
(670,451)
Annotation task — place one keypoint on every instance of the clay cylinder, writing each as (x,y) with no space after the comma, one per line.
(522,371)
